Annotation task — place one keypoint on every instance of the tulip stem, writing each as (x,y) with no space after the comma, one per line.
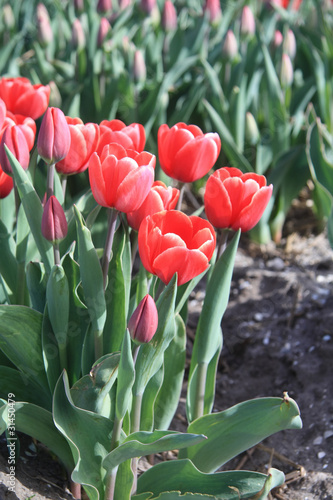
(50,181)
(111,480)
(200,390)
(181,196)
(108,245)
(222,244)
(56,253)
(135,424)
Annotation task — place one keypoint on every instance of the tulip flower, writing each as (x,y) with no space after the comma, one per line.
(25,123)
(54,137)
(236,200)
(230,46)
(139,67)
(290,44)
(8,17)
(83,143)
(159,198)
(278,39)
(103,31)
(169,16)
(130,137)
(171,242)
(6,184)
(3,111)
(78,40)
(44,30)
(213,8)
(54,224)
(287,72)
(121,178)
(104,6)
(15,140)
(23,98)
(144,321)
(148,5)
(185,152)
(248,24)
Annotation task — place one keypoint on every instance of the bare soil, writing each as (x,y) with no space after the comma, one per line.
(278,336)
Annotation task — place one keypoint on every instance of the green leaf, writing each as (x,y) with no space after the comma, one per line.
(237,429)
(88,435)
(8,263)
(25,389)
(57,296)
(126,376)
(124,481)
(33,210)
(50,352)
(36,283)
(182,476)
(208,339)
(319,152)
(20,340)
(145,443)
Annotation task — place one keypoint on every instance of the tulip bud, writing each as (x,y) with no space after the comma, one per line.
(15,140)
(44,30)
(287,72)
(104,6)
(103,31)
(123,4)
(230,46)
(54,224)
(144,321)
(148,6)
(78,37)
(169,16)
(55,96)
(8,17)
(3,110)
(79,6)
(54,137)
(278,39)
(252,134)
(213,9)
(290,44)
(248,24)
(139,67)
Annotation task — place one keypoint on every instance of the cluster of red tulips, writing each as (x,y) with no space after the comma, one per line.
(121,177)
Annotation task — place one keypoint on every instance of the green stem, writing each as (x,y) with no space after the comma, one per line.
(64,186)
(50,181)
(62,356)
(181,196)
(56,253)
(20,288)
(108,244)
(200,390)
(222,244)
(98,342)
(111,479)
(117,425)
(135,425)
(110,484)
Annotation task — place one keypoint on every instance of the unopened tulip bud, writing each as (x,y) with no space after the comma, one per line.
(289,45)
(123,4)
(169,16)
(144,321)
(54,138)
(78,37)
(248,24)
(287,72)
(103,31)
(139,67)
(16,142)
(148,6)
(278,39)
(8,17)
(44,30)
(54,223)
(104,6)
(230,46)
(252,134)
(55,96)
(213,9)
(79,6)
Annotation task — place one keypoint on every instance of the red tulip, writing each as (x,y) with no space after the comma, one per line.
(121,178)
(144,321)
(84,141)
(159,198)
(54,224)
(236,200)
(6,184)
(23,98)
(295,4)
(171,242)
(15,140)
(54,137)
(2,113)
(25,123)
(130,137)
(185,152)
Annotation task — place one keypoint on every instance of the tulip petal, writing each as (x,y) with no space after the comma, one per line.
(251,214)
(218,206)
(187,263)
(195,159)
(135,187)
(96,180)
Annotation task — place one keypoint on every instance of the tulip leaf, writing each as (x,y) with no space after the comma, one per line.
(8,263)
(147,416)
(25,389)
(20,340)
(36,284)
(33,210)
(92,281)
(126,376)
(50,352)
(242,426)
(208,338)
(182,477)
(145,443)
(124,481)
(150,356)
(37,422)
(88,435)
(93,392)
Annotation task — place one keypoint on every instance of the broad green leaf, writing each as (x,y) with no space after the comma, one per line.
(126,376)
(20,340)
(93,392)
(208,335)
(50,352)
(237,429)
(274,479)
(147,414)
(92,281)
(124,481)
(319,152)
(36,284)
(150,356)
(183,476)
(89,437)
(33,210)
(145,443)
(8,263)
(38,423)
(25,388)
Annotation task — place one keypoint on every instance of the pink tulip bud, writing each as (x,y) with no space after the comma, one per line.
(14,138)
(287,72)
(123,4)
(230,46)
(139,67)
(78,37)
(79,6)
(104,30)
(144,321)
(248,24)
(54,138)
(148,6)
(104,6)
(169,16)
(290,44)
(278,39)
(54,224)
(8,17)
(213,8)
(44,30)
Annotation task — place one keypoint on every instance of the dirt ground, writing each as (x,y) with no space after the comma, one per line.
(278,336)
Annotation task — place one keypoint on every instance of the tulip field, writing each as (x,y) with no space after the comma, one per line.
(166,244)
